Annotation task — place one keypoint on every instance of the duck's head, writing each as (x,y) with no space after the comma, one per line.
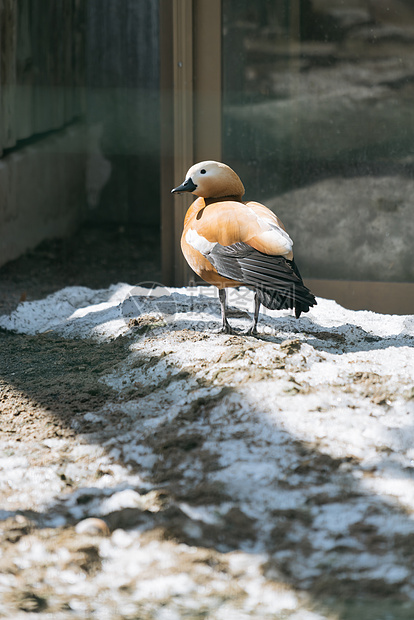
(211,179)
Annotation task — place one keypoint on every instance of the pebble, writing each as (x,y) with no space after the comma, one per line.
(93,526)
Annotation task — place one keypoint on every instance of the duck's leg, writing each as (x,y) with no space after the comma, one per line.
(225,326)
(252,329)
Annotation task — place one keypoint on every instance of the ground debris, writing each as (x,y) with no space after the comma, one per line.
(178,469)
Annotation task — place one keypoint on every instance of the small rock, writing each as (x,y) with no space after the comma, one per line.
(291,346)
(30,602)
(14,528)
(92,526)
(409,394)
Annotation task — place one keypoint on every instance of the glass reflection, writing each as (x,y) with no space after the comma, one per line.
(318,121)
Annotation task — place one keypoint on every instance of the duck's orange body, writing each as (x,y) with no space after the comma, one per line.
(228,221)
(231,243)
(197,261)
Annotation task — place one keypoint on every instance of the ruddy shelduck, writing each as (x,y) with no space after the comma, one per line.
(228,242)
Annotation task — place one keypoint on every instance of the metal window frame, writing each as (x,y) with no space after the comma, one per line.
(191,131)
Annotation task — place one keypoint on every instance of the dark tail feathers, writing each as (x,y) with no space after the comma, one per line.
(291,295)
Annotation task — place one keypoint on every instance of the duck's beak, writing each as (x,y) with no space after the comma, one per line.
(187,186)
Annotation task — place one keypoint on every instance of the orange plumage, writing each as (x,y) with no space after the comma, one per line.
(231,243)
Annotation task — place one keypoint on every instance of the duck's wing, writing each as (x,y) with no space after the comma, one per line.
(276,279)
(247,244)
(230,222)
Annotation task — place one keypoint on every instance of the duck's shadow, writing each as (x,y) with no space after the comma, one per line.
(204,317)
(199,316)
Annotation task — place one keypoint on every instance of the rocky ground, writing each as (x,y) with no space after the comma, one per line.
(153,469)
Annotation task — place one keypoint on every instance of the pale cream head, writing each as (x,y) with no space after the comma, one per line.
(212,179)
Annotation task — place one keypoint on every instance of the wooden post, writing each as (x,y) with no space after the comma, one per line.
(207,80)
(168,240)
(183,119)
(191,102)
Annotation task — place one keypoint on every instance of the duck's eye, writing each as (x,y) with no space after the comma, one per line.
(203,171)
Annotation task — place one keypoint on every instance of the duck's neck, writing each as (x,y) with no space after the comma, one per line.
(209,201)
(198,206)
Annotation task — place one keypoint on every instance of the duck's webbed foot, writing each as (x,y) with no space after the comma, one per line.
(226,329)
(252,331)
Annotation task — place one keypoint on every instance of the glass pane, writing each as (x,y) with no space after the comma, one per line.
(318,121)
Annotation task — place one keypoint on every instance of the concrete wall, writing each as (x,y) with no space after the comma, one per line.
(42,165)
(42,191)
(95,60)
(42,64)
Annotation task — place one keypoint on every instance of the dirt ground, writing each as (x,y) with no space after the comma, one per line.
(43,383)
(155,435)
(40,366)
(94,257)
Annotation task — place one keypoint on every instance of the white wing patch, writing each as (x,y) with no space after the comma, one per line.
(275,228)
(273,235)
(277,239)
(198,242)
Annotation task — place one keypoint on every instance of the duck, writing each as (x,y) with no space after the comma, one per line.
(231,243)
